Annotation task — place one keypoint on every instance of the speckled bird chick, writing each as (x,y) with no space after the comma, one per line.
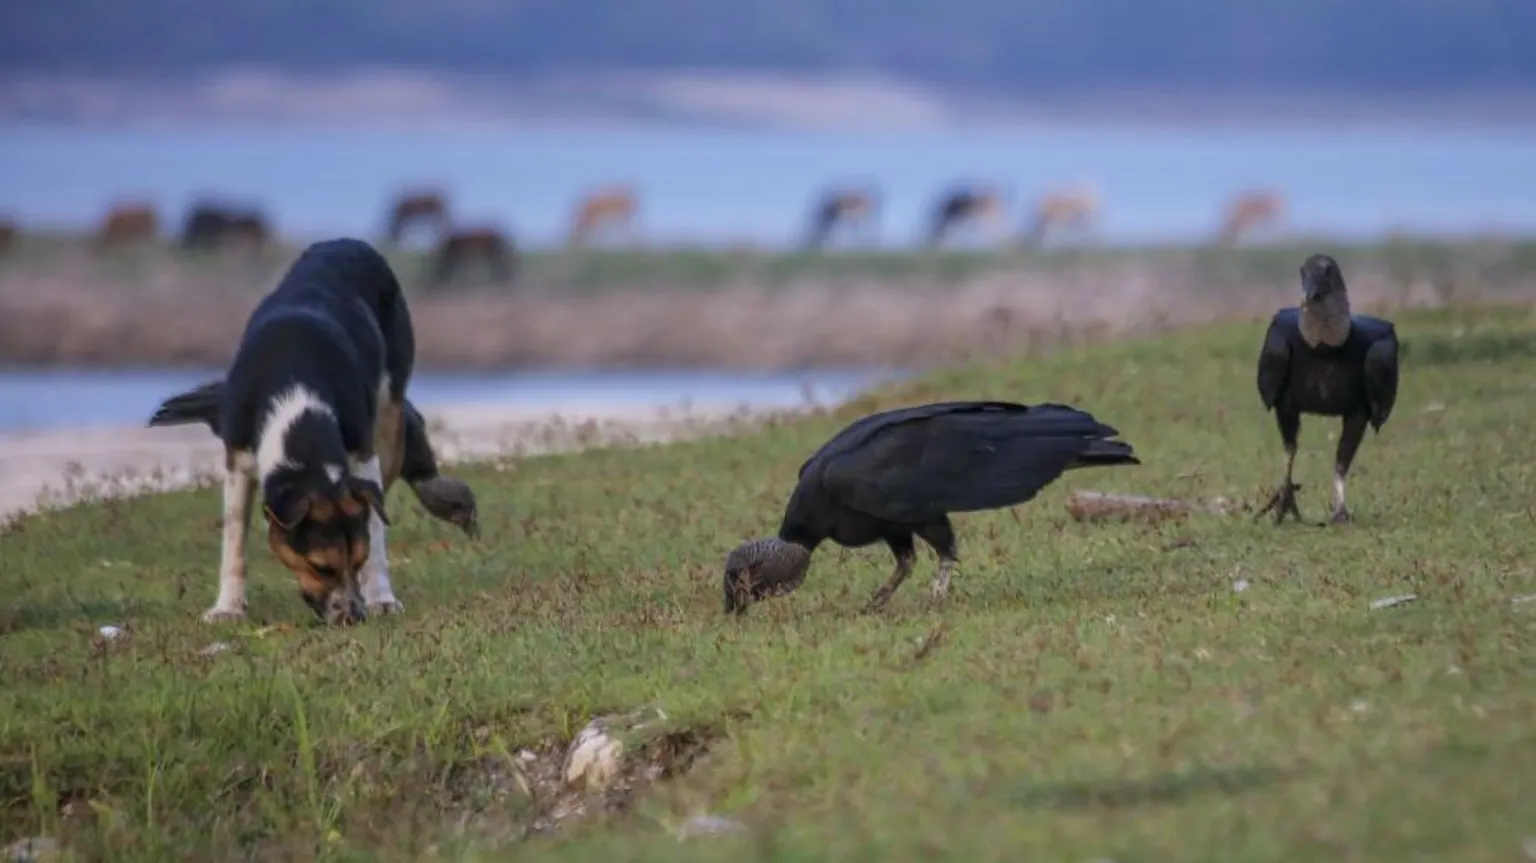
(899,474)
(1320,359)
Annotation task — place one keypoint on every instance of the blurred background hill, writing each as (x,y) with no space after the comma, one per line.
(1045,50)
(644,183)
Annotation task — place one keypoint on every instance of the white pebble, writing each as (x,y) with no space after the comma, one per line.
(707,825)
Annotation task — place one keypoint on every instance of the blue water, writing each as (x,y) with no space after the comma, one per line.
(38,400)
(1158,183)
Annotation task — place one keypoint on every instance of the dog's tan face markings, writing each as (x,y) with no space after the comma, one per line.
(325,547)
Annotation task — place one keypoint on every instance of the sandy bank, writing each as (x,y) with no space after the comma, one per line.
(60,467)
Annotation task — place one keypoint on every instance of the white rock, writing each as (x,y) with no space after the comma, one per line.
(32,850)
(707,825)
(592,761)
(1240,585)
(110,631)
(1389,601)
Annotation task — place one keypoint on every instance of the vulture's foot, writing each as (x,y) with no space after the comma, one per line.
(1282,503)
(878,601)
(940,586)
(881,596)
(1341,516)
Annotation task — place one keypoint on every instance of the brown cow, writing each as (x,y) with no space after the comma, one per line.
(126,224)
(1068,208)
(1247,211)
(842,206)
(964,204)
(417,205)
(460,245)
(616,204)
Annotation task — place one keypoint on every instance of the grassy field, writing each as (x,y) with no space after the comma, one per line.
(1088,691)
(1493,259)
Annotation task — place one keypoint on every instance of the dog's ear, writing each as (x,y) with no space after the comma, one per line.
(286,508)
(370,493)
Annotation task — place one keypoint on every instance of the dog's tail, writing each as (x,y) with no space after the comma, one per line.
(200,405)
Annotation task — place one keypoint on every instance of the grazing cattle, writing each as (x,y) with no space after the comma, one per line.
(1320,359)
(211,227)
(1247,212)
(893,475)
(417,205)
(1070,209)
(461,246)
(961,205)
(10,233)
(839,207)
(610,205)
(311,416)
(127,224)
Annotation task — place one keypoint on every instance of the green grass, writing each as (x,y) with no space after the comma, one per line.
(1489,260)
(1088,690)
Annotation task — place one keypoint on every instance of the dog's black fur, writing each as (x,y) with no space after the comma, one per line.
(336,323)
(335,338)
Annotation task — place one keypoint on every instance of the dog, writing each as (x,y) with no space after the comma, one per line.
(311,413)
(445,498)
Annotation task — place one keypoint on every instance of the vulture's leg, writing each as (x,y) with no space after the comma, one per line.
(906,556)
(1350,437)
(1283,501)
(941,535)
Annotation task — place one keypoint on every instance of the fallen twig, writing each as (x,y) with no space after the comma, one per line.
(1107,506)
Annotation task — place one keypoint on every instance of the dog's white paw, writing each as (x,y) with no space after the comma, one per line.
(385,606)
(223,615)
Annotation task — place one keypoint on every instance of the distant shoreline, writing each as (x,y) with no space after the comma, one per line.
(876,311)
(722,100)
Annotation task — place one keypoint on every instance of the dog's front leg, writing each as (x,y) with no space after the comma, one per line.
(239,490)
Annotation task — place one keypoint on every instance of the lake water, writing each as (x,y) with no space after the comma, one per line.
(38,400)
(705,185)
(1162,183)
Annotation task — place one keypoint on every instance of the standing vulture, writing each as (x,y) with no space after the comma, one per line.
(447,499)
(891,475)
(1319,359)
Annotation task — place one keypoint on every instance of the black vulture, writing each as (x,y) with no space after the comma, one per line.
(891,475)
(1319,359)
(447,499)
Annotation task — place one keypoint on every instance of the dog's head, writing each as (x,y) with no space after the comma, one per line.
(320,532)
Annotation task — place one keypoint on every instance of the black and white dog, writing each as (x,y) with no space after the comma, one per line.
(311,411)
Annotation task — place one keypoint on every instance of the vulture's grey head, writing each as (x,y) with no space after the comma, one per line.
(450,500)
(761,568)
(1321,280)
